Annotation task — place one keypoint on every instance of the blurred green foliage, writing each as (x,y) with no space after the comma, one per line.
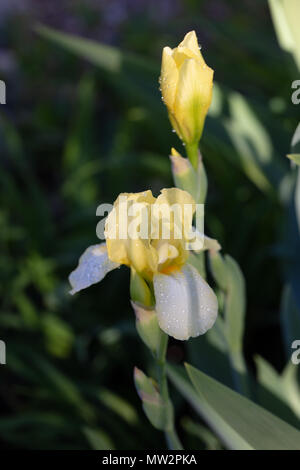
(76,133)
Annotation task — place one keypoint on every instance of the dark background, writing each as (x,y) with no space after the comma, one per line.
(74,135)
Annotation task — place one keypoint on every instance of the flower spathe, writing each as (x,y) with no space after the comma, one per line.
(184,303)
(186,85)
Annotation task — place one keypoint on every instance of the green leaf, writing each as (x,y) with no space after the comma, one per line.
(234,305)
(118,405)
(281,389)
(251,140)
(132,73)
(226,433)
(239,422)
(98,439)
(281,24)
(230,280)
(285,14)
(59,337)
(202,433)
(218,269)
(102,55)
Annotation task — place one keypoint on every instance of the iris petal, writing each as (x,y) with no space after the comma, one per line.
(190,42)
(185,304)
(168,77)
(193,97)
(93,265)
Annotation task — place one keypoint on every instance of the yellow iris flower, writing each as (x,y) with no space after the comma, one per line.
(186,85)
(184,303)
(153,252)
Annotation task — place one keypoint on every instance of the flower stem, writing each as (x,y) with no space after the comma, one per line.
(171,434)
(192,153)
(173,440)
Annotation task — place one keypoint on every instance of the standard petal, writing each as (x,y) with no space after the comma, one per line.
(193,98)
(126,246)
(190,41)
(93,265)
(180,54)
(185,304)
(172,196)
(168,77)
(178,209)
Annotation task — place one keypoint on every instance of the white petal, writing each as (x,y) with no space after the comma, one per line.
(93,265)
(185,304)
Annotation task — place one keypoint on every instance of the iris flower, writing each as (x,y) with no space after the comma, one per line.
(185,304)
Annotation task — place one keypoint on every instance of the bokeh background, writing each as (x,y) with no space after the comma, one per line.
(75,133)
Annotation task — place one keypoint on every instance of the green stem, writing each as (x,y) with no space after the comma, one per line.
(173,440)
(192,153)
(171,434)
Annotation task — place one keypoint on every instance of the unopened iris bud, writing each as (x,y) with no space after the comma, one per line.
(186,177)
(186,85)
(159,412)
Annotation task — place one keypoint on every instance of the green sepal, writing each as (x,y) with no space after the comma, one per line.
(139,290)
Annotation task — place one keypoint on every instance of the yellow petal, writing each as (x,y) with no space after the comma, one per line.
(121,248)
(193,98)
(172,196)
(180,54)
(174,153)
(177,209)
(190,42)
(166,252)
(168,77)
